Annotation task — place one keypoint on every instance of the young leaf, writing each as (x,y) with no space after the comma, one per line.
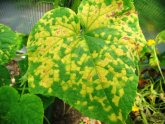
(23,65)
(25,110)
(22,40)
(75,5)
(160,38)
(8,44)
(91,68)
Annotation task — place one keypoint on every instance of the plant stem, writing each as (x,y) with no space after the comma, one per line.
(64,107)
(46,119)
(138,71)
(144,117)
(68,109)
(157,61)
(23,89)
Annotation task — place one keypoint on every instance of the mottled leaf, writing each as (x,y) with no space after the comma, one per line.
(8,44)
(93,67)
(14,109)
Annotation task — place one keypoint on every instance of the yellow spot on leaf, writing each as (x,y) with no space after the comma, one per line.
(99,87)
(113,117)
(100,100)
(83,90)
(94,54)
(82,58)
(30,78)
(67,67)
(78,102)
(64,87)
(107,109)
(109,37)
(50,90)
(86,73)
(90,89)
(56,75)
(119,52)
(73,77)
(74,67)
(131,78)
(84,103)
(96,35)
(90,107)
(120,117)
(125,79)
(115,100)
(102,34)
(121,92)
(113,47)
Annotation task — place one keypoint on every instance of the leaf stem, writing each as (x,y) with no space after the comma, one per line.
(64,107)
(23,89)
(157,62)
(144,117)
(68,109)
(46,119)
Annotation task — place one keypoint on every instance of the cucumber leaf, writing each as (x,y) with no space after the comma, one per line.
(14,109)
(89,59)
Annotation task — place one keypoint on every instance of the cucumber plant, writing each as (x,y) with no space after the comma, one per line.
(87,59)
(15,107)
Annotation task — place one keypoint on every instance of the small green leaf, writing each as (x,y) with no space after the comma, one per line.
(27,109)
(162,59)
(91,68)
(22,40)
(75,5)
(23,65)
(160,38)
(4,76)
(8,44)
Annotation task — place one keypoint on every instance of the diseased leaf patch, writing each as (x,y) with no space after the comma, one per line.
(93,68)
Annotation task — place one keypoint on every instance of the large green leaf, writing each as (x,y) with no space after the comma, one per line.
(8,44)
(93,67)
(14,109)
